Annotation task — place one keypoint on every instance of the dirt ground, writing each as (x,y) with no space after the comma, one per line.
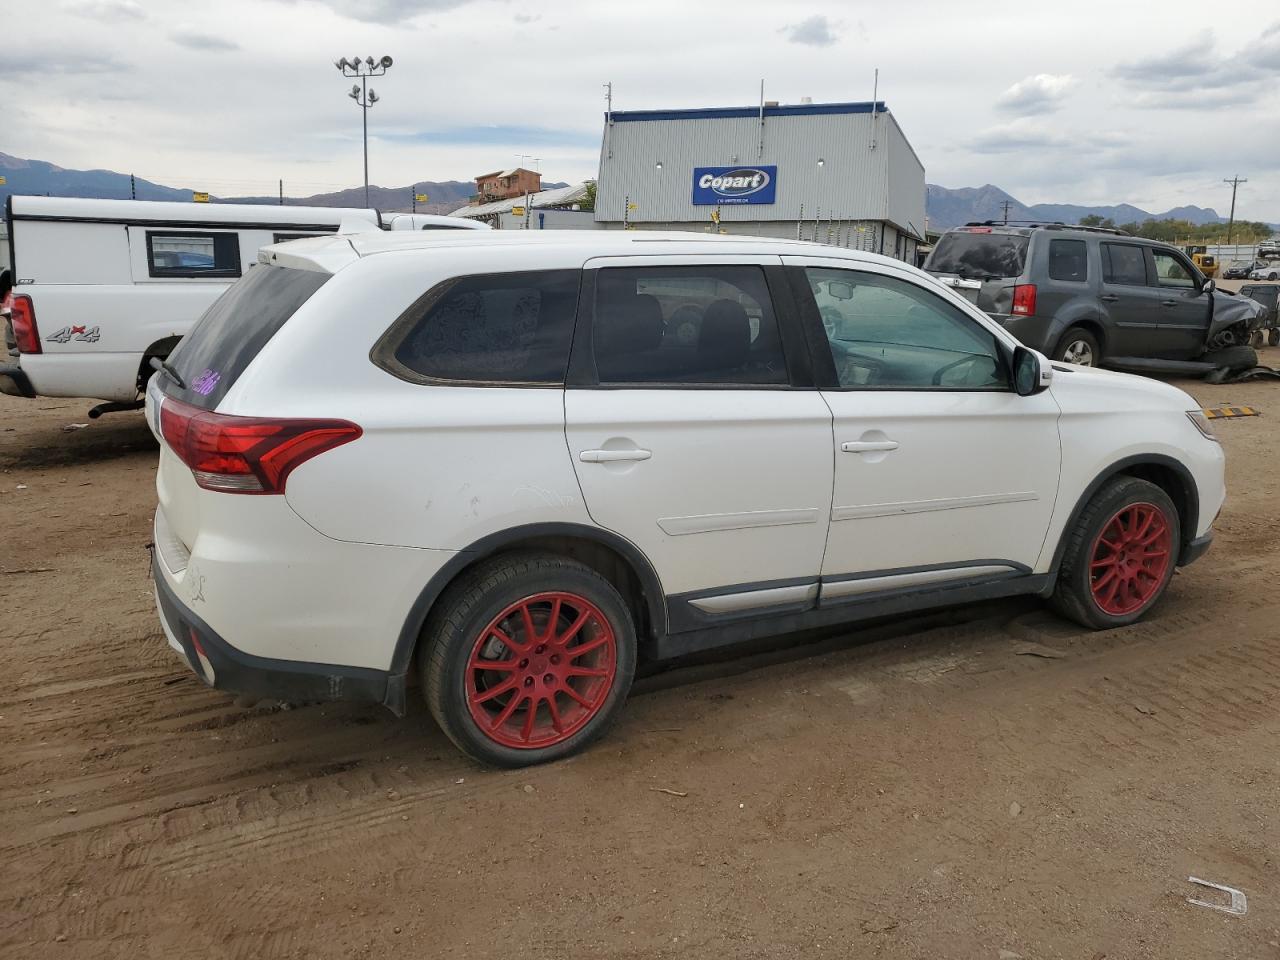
(989,782)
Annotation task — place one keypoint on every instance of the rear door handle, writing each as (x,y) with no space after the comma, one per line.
(1109,298)
(868,446)
(1168,303)
(613,456)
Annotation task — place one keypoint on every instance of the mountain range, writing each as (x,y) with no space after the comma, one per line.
(944,207)
(40,177)
(949,208)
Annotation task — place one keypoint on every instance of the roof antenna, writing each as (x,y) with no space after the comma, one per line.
(875,92)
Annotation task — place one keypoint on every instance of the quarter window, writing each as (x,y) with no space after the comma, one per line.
(1067,260)
(890,334)
(189,254)
(678,325)
(1124,263)
(1172,272)
(495,328)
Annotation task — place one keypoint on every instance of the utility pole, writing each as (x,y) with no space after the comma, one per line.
(282,192)
(1231,222)
(133,190)
(364,97)
(1006,211)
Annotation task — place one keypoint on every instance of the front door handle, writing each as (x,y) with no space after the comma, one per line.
(613,456)
(1109,298)
(868,446)
(1168,303)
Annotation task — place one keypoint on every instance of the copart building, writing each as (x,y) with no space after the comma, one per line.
(839,173)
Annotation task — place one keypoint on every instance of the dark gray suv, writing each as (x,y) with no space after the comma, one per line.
(1095,296)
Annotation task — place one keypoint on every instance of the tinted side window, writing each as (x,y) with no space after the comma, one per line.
(1170,271)
(173,253)
(705,325)
(494,328)
(887,333)
(1124,263)
(1067,260)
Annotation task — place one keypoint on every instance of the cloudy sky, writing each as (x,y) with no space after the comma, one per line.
(1106,102)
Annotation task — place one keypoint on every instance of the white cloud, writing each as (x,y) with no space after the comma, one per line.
(109,10)
(1040,93)
(816,31)
(195,39)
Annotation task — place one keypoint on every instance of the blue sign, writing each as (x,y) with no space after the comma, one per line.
(713,186)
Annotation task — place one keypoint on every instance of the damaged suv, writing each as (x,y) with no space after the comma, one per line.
(1098,297)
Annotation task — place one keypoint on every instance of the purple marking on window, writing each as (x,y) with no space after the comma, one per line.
(205,383)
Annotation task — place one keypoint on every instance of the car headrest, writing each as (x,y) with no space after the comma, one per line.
(725,337)
(631,324)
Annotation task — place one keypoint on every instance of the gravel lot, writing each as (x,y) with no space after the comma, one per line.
(981,783)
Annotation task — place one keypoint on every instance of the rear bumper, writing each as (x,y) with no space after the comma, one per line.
(222,666)
(1193,550)
(14,381)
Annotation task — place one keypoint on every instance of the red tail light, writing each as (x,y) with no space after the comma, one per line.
(23,317)
(246,454)
(1024,299)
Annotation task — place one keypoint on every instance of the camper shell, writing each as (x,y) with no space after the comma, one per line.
(103,286)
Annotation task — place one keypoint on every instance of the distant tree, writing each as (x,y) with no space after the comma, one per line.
(589,201)
(1091,220)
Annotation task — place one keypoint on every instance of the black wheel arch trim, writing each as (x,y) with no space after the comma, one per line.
(494,543)
(1191,493)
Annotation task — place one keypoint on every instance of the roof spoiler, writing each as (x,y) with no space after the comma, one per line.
(357,225)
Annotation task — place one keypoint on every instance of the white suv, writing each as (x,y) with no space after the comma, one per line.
(514,464)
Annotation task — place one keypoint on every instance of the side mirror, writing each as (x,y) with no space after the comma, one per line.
(1210,285)
(1031,372)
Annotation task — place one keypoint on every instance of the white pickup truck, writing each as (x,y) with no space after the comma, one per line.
(103,286)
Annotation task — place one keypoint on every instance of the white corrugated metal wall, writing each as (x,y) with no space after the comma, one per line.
(851,194)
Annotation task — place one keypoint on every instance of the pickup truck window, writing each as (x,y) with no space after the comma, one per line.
(184,253)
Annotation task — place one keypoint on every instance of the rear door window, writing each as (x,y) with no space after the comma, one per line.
(235,328)
(185,253)
(979,256)
(678,325)
(498,328)
(1124,263)
(1067,260)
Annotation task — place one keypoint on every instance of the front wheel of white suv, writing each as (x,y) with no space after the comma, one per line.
(529,658)
(1120,555)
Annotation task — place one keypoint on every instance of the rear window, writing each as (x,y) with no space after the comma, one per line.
(1125,264)
(494,328)
(235,329)
(1067,260)
(979,256)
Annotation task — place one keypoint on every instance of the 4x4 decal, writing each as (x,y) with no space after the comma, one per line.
(87,334)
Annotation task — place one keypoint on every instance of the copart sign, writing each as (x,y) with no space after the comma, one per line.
(725,185)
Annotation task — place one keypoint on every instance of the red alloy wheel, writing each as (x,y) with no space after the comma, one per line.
(1130,559)
(541,670)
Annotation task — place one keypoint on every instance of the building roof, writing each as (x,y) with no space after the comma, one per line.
(559,197)
(506,173)
(776,110)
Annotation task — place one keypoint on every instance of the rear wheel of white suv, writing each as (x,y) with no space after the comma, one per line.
(529,658)
(1120,555)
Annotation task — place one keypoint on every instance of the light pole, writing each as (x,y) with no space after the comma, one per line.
(366,98)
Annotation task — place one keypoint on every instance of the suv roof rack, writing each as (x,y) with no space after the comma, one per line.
(1047,225)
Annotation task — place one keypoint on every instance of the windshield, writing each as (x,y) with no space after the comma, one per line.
(979,256)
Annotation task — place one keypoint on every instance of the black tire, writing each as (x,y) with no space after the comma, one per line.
(1240,357)
(1273,337)
(457,626)
(1074,594)
(1071,343)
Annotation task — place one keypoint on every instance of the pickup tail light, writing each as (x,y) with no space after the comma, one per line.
(23,318)
(1024,299)
(231,454)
